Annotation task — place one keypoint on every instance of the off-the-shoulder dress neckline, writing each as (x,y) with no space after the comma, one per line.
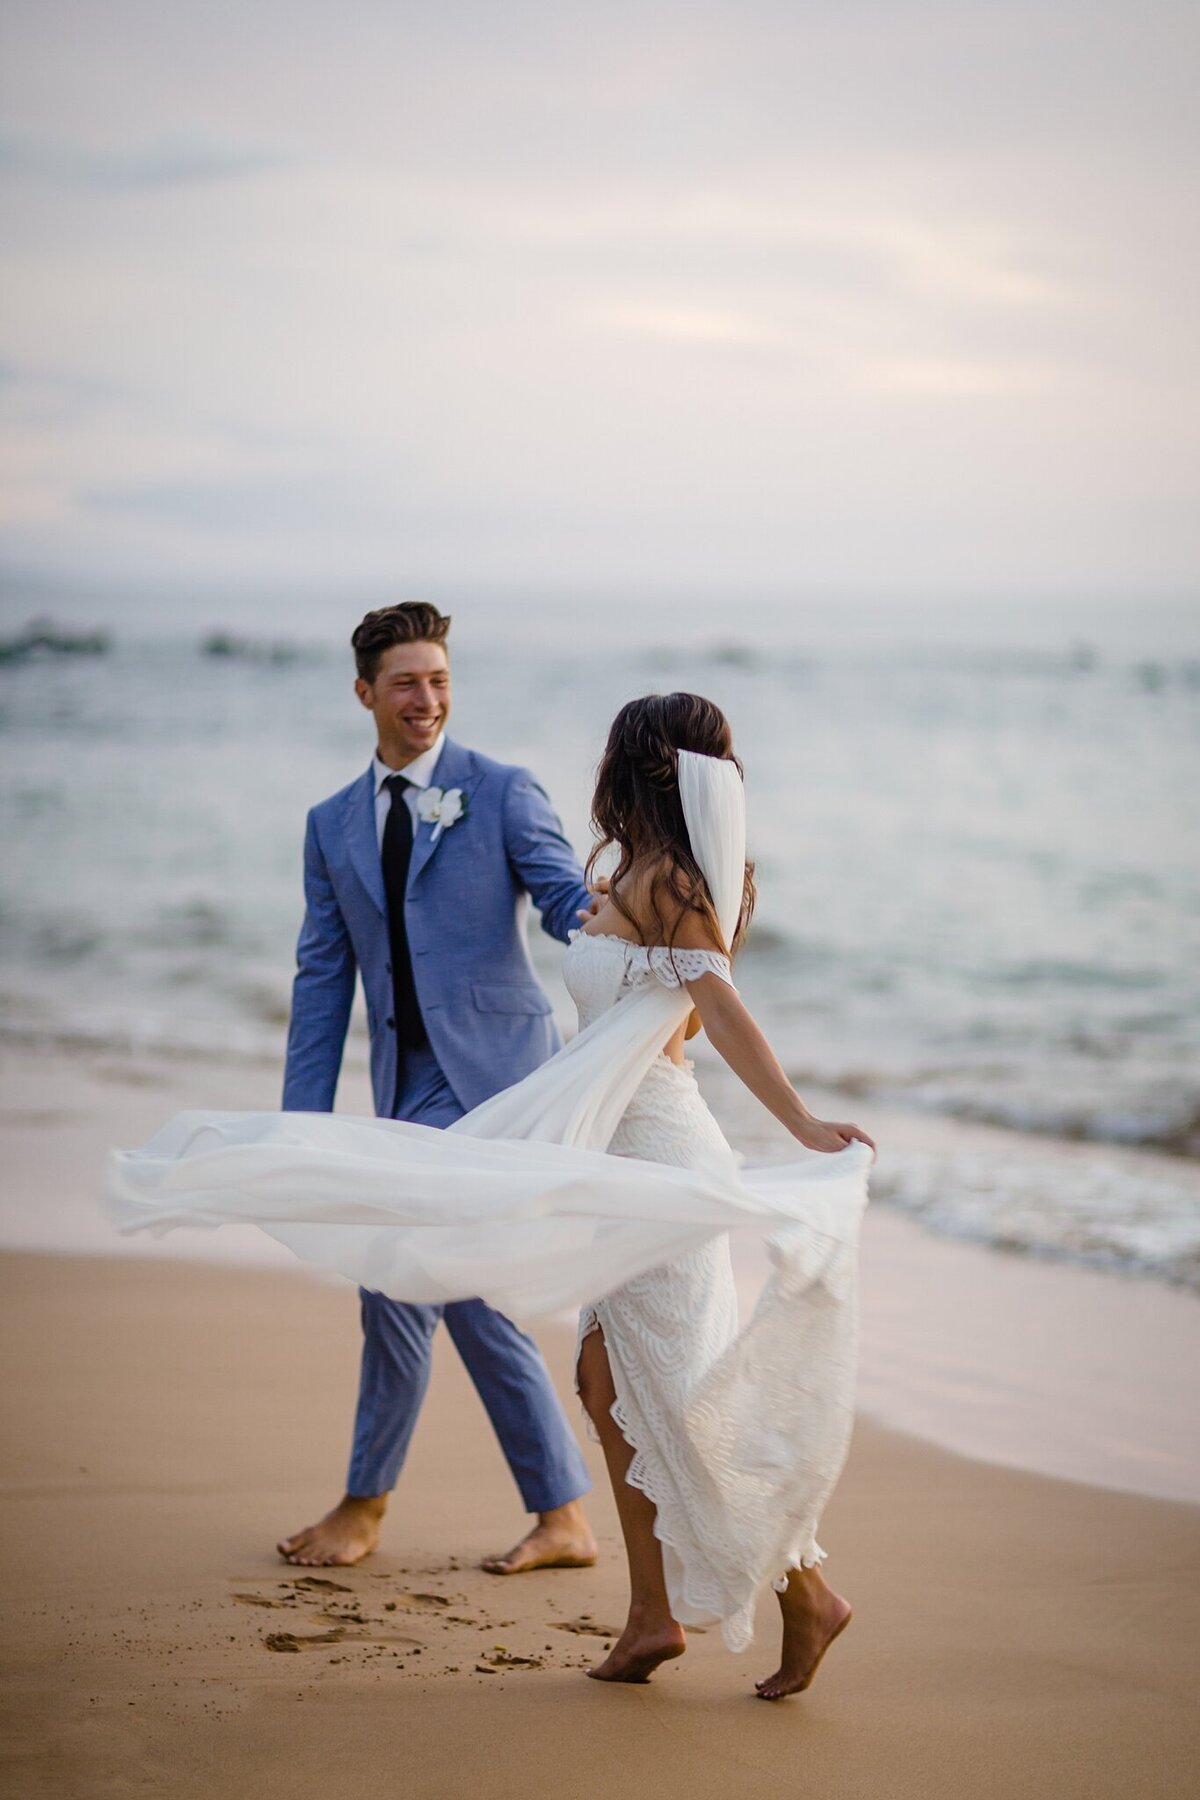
(612,937)
(615,937)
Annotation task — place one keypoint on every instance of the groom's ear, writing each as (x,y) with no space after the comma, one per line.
(366,693)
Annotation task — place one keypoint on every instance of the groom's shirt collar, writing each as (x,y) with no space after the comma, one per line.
(418,773)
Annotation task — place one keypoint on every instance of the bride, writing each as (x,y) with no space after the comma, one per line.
(603,1178)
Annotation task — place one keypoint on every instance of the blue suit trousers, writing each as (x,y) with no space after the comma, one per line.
(505,1365)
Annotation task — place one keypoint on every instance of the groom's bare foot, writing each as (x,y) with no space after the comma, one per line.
(813,1615)
(343,1536)
(640,1648)
(561,1539)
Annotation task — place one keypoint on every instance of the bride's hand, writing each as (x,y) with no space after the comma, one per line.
(818,1135)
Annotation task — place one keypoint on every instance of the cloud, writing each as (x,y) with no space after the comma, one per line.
(297,503)
(180,162)
(50,395)
(839,293)
(682,324)
(947,379)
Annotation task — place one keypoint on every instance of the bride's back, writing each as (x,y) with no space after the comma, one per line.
(648,909)
(651,913)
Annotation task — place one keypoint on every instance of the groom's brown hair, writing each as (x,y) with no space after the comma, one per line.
(411,622)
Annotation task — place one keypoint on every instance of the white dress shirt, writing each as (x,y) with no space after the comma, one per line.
(418,774)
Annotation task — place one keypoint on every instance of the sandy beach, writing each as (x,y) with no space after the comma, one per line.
(1014,1635)
(167,1417)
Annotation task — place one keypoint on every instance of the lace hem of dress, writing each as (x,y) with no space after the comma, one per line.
(737,1625)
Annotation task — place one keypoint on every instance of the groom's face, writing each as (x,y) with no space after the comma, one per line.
(410,698)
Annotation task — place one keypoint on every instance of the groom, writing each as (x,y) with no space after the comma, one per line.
(417,875)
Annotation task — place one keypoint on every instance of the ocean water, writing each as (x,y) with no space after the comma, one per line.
(977,842)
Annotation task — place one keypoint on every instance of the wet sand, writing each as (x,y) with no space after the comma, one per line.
(164,1422)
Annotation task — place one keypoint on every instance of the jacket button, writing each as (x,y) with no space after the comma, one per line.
(389,968)
(391,1024)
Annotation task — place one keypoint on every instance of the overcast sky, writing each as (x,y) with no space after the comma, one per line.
(842,298)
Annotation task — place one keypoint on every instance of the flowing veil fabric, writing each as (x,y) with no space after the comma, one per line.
(517,1202)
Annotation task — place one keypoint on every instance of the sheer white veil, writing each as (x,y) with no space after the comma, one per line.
(714,811)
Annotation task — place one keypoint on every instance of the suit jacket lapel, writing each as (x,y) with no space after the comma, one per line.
(361,836)
(455,769)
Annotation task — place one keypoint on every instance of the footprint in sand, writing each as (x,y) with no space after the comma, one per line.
(503,1658)
(289,1641)
(296,1590)
(416,1603)
(341,1616)
(584,1628)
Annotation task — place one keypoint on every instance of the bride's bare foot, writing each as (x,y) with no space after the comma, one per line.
(640,1648)
(561,1539)
(813,1615)
(342,1537)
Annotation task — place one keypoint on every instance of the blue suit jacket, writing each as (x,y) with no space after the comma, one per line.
(489,1021)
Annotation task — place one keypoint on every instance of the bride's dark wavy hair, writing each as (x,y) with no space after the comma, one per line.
(637,807)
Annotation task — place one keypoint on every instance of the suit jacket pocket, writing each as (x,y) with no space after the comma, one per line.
(508,999)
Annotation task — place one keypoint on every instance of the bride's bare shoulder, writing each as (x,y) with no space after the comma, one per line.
(656,894)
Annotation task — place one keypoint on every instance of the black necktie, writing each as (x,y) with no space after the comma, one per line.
(396,856)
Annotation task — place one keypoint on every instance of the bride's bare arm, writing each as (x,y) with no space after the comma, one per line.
(736,1036)
(731,1027)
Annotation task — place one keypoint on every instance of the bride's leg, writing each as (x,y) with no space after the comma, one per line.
(813,1615)
(651,1635)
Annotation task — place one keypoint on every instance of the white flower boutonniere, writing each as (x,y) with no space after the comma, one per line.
(441,808)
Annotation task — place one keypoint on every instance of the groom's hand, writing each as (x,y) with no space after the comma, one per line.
(598,891)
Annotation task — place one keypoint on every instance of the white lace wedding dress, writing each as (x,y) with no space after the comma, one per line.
(600,1179)
(724,1519)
